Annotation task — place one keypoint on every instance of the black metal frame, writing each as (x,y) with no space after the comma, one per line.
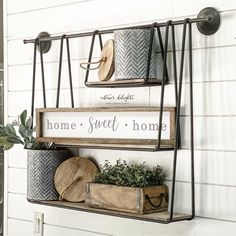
(207,24)
(41,46)
(132,83)
(207,19)
(164,81)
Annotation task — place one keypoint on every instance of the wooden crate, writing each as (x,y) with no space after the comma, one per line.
(127,199)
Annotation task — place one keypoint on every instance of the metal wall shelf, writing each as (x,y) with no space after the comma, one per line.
(123,83)
(158,217)
(208,22)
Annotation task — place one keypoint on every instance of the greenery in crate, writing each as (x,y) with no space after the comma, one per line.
(24,136)
(135,175)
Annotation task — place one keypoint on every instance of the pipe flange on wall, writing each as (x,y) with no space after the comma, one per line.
(45,45)
(210,26)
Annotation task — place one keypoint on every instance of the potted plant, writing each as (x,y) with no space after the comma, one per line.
(42,158)
(130,188)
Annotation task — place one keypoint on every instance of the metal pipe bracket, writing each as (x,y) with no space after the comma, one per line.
(45,45)
(212,24)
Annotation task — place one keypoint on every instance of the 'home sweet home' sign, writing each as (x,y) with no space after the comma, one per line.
(106,127)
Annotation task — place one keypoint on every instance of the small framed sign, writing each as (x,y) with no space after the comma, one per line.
(106,127)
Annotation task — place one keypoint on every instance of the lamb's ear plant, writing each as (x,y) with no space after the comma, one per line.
(135,175)
(24,134)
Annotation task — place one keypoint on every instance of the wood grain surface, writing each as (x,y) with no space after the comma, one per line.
(107,66)
(125,199)
(107,142)
(71,177)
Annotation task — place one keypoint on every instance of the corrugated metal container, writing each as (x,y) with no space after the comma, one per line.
(41,168)
(131,54)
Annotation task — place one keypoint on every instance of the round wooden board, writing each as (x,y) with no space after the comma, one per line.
(72,175)
(107,66)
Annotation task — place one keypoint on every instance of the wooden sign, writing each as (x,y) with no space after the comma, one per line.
(106,127)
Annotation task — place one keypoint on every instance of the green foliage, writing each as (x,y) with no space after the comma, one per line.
(135,175)
(9,136)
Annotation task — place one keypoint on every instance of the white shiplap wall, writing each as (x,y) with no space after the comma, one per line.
(214,110)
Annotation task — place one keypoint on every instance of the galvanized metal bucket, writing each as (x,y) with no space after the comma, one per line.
(131,54)
(41,168)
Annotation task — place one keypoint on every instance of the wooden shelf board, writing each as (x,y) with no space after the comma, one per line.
(150,148)
(123,83)
(158,217)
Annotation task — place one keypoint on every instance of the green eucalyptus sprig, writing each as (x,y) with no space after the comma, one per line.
(135,175)
(9,137)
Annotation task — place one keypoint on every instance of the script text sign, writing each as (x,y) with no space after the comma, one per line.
(106,126)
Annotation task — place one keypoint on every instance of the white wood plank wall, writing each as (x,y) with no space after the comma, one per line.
(214,112)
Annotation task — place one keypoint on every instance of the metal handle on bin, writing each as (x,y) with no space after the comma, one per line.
(149,200)
(103,59)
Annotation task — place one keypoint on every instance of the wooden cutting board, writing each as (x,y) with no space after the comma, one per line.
(107,66)
(72,175)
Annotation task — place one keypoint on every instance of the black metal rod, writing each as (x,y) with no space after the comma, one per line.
(150,52)
(177,120)
(175,73)
(70,73)
(90,56)
(84,34)
(43,78)
(163,84)
(160,42)
(150,148)
(100,41)
(191,120)
(33,81)
(174,64)
(59,72)
(162,52)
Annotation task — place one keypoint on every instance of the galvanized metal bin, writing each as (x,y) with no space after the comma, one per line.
(41,167)
(131,54)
